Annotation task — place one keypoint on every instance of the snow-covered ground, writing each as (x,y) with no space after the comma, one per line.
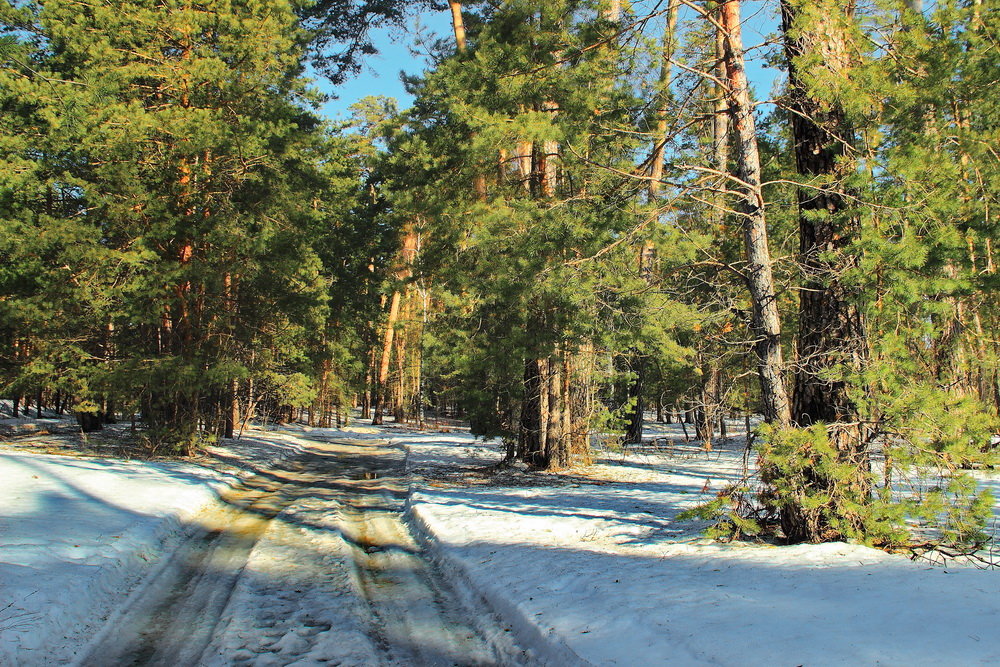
(593,562)
(74,533)
(585,566)
(78,533)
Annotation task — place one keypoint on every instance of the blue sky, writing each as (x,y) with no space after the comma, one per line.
(380,73)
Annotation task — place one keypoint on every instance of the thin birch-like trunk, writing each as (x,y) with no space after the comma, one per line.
(766,323)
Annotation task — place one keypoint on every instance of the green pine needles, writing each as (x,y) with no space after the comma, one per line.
(915,488)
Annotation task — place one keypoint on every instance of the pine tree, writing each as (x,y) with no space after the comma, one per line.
(176,142)
(539,246)
(871,313)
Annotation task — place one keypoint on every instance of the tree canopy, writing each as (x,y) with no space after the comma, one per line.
(584,215)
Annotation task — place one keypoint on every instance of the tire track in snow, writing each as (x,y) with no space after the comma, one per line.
(172,618)
(347,489)
(415,618)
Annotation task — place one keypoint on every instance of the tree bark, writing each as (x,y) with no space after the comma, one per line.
(663,106)
(581,399)
(530,436)
(556,451)
(381,381)
(832,339)
(399,395)
(766,323)
(831,325)
(458,25)
(566,371)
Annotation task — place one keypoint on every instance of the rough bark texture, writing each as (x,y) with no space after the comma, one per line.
(566,372)
(553,426)
(831,326)
(760,280)
(557,453)
(831,341)
(531,440)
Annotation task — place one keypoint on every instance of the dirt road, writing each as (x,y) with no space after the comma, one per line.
(309,560)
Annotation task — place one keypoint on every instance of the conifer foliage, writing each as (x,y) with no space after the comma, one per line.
(161,251)
(518,135)
(584,214)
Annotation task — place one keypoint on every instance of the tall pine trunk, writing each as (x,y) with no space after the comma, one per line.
(709,351)
(458,25)
(382,378)
(531,437)
(402,273)
(766,324)
(663,107)
(831,338)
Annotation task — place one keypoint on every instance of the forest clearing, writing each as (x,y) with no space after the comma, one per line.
(699,292)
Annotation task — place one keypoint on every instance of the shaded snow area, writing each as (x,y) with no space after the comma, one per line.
(592,563)
(74,533)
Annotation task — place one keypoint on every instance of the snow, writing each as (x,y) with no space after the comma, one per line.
(78,533)
(594,563)
(74,532)
(297,586)
(586,566)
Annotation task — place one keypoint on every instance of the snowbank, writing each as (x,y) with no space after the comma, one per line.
(595,563)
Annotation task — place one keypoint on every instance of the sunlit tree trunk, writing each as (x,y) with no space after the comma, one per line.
(766,324)
(557,453)
(663,108)
(458,24)
(381,380)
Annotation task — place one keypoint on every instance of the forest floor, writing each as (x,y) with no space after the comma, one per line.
(392,546)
